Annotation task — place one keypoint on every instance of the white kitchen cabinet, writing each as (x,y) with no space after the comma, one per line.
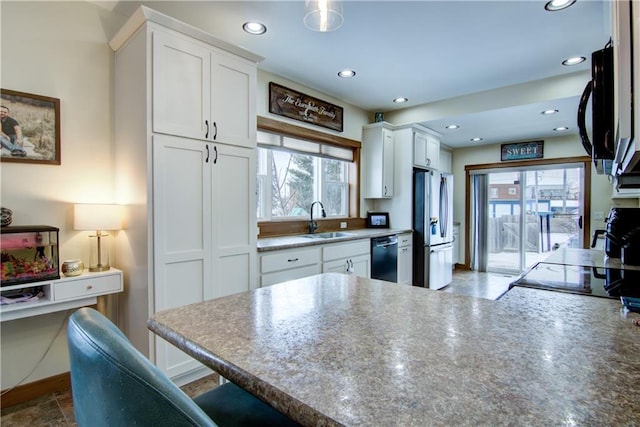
(234,218)
(456,244)
(400,207)
(405,259)
(445,161)
(201,92)
(352,257)
(426,151)
(190,230)
(289,264)
(64,294)
(377,161)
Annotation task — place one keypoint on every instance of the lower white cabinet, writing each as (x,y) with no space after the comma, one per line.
(352,257)
(204,246)
(456,244)
(289,264)
(405,259)
(64,294)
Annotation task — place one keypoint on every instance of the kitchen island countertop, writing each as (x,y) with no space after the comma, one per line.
(587,258)
(334,349)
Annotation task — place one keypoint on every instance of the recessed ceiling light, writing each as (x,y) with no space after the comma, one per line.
(561,128)
(255,28)
(452,126)
(400,100)
(554,5)
(346,73)
(547,112)
(574,60)
(476,139)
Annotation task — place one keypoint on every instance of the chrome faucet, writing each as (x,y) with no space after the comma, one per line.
(312,224)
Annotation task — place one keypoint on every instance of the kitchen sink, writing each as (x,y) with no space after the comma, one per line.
(327,235)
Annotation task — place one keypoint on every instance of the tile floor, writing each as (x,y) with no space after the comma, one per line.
(57,409)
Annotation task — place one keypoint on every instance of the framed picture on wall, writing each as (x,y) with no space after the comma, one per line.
(30,128)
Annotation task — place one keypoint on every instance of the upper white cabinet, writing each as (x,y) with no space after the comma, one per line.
(400,206)
(445,161)
(202,92)
(377,161)
(185,168)
(426,151)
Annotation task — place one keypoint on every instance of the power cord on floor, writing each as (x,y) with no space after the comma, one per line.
(64,322)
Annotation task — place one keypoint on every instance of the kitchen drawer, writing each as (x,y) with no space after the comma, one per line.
(345,250)
(290,274)
(286,259)
(404,240)
(86,287)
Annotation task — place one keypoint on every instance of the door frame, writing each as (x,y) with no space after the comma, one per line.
(586,220)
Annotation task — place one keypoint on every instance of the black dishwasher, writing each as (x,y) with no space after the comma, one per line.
(384,258)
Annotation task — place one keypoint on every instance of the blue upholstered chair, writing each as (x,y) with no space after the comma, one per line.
(113,384)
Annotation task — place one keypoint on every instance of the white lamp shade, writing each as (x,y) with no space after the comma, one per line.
(96,217)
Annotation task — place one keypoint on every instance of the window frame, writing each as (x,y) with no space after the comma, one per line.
(320,185)
(286,225)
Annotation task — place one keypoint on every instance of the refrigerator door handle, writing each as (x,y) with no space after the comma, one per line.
(444,206)
(441,248)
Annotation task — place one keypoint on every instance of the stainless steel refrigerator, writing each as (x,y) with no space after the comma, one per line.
(432,228)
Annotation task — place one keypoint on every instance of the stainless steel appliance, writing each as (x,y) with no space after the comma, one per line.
(592,281)
(384,258)
(432,228)
(621,229)
(601,145)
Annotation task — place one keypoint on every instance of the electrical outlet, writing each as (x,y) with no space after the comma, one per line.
(343,224)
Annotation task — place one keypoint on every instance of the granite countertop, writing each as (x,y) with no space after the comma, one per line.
(587,258)
(336,350)
(297,241)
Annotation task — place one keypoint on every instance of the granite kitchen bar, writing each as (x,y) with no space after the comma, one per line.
(333,349)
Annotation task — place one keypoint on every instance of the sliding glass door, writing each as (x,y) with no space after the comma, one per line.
(530,212)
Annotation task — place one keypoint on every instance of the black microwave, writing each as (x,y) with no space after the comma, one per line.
(601,145)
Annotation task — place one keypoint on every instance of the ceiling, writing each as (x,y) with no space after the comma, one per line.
(426,51)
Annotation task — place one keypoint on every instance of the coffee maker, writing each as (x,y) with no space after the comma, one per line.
(621,235)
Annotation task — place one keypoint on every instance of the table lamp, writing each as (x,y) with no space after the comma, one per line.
(98,218)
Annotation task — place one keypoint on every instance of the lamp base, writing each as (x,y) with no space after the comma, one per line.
(99,268)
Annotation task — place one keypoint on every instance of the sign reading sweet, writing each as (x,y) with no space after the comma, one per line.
(521,150)
(295,105)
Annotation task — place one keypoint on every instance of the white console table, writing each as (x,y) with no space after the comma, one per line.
(64,293)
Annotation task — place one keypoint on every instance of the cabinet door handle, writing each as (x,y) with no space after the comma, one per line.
(206,135)
(293,260)
(89,287)
(385,190)
(207,159)
(215,159)
(215,130)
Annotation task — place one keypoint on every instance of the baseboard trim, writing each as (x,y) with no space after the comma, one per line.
(30,391)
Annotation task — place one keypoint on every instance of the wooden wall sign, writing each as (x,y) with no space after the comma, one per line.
(295,105)
(522,150)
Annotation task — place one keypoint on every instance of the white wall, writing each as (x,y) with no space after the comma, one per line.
(56,49)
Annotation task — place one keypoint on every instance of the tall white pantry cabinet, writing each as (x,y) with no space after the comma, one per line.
(185,138)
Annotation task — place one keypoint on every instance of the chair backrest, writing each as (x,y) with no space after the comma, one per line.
(113,384)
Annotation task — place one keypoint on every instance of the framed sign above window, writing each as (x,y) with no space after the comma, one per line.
(522,151)
(298,106)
